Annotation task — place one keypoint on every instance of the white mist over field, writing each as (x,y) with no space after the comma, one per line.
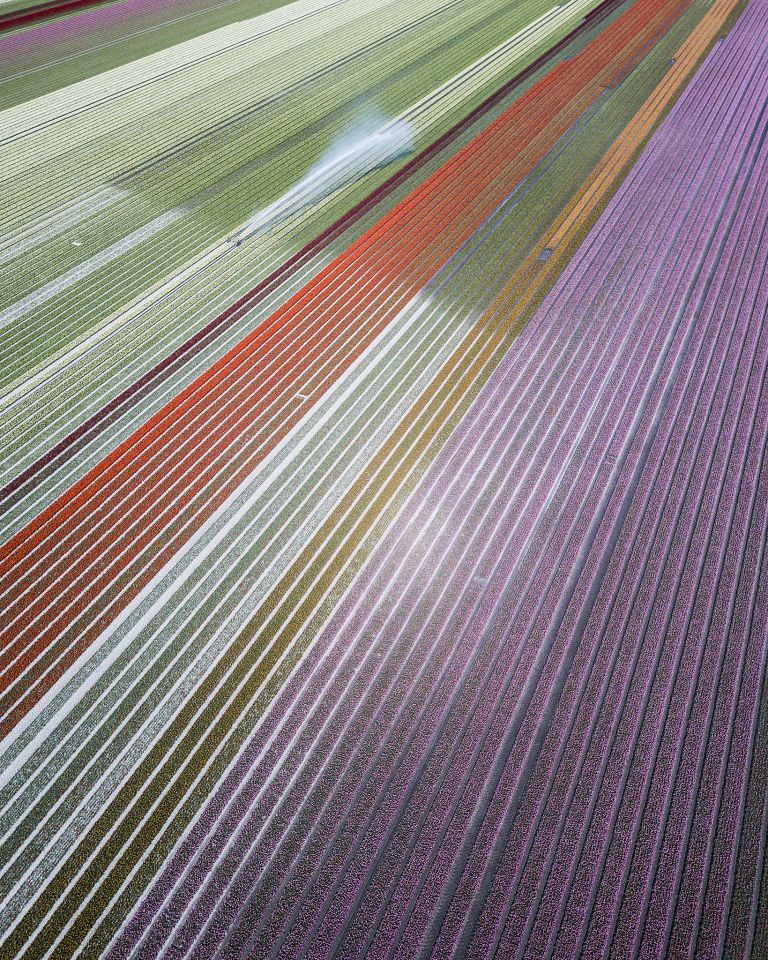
(359,150)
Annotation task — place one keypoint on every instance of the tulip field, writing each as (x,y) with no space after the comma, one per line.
(384,479)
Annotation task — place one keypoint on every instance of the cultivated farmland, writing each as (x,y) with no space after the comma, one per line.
(383,488)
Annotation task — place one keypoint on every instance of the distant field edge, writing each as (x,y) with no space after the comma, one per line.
(22,15)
